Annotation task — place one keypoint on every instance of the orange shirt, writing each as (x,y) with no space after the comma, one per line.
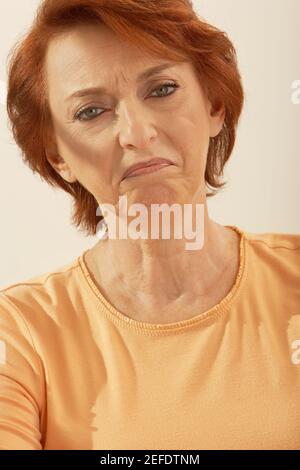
(77,374)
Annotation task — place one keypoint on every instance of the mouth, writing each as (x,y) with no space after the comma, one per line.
(146,168)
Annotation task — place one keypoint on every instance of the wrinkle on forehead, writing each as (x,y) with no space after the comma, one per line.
(84,54)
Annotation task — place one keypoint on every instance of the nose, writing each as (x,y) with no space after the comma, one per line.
(135,125)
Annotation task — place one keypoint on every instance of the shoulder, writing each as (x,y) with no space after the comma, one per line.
(275,252)
(38,295)
(275,244)
(274,241)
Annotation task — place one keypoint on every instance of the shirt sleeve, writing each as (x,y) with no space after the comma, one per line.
(21,382)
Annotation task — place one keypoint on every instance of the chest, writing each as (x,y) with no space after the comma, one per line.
(214,391)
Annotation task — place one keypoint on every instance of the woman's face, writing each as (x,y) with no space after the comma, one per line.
(99,135)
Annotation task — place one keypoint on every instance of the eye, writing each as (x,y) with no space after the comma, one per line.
(165,86)
(85,112)
(84,115)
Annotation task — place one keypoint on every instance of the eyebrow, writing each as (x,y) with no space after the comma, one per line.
(102,90)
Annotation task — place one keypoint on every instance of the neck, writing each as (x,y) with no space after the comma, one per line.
(163,272)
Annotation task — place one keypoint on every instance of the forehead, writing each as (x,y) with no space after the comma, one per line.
(81,46)
(89,53)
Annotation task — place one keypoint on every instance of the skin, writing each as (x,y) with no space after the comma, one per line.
(154,281)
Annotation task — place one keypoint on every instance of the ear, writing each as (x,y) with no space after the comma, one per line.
(217,114)
(57,162)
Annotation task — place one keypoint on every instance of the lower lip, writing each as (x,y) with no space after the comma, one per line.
(148,169)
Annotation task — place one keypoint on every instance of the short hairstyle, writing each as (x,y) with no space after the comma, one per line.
(170,28)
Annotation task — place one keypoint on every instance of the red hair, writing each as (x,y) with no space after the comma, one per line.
(169,28)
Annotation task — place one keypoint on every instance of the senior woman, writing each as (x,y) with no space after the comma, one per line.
(140,343)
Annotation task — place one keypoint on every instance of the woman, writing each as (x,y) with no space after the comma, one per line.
(141,343)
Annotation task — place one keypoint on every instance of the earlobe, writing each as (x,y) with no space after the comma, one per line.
(63,170)
(58,163)
(68,176)
(217,118)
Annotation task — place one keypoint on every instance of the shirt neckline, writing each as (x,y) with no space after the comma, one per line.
(157,328)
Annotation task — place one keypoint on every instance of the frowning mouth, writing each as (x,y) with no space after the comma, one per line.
(146,168)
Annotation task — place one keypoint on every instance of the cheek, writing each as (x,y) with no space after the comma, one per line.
(96,176)
(192,136)
(90,161)
(192,121)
